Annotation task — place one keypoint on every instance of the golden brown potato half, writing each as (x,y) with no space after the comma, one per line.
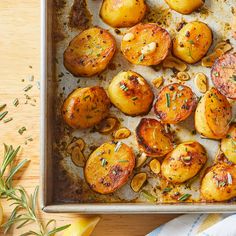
(213,115)
(146,44)
(184,6)
(192,42)
(131,93)
(89,52)
(228,144)
(152,138)
(184,162)
(223,75)
(109,167)
(175,103)
(86,107)
(122,13)
(219,183)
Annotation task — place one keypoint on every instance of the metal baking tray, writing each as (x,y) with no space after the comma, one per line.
(62,184)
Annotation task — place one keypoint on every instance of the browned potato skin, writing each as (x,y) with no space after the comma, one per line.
(137,97)
(180,107)
(192,42)
(152,138)
(213,115)
(223,75)
(177,170)
(89,52)
(115,173)
(86,107)
(144,35)
(210,189)
(184,6)
(122,13)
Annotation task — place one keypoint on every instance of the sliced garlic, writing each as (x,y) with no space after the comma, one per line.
(201,82)
(149,48)
(122,133)
(184,76)
(155,166)
(128,37)
(77,157)
(138,181)
(174,63)
(140,160)
(158,82)
(78,143)
(107,125)
(209,60)
(224,46)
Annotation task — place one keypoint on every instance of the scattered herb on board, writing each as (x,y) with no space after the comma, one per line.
(25,205)
(184,197)
(28,87)
(16,102)
(167,99)
(7,120)
(2,106)
(148,196)
(2,115)
(21,130)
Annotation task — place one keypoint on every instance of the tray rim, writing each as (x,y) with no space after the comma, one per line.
(93,208)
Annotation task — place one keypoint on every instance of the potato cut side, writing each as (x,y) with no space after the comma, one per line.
(152,138)
(175,103)
(219,183)
(223,75)
(228,144)
(184,162)
(89,52)
(149,46)
(109,167)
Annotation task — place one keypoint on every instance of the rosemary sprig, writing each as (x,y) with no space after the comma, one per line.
(25,206)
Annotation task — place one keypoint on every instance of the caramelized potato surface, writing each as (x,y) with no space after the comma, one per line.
(89,52)
(175,103)
(146,44)
(152,138)
(109,167)
(86,107)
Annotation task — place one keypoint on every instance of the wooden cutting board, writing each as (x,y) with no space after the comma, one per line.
(19,61)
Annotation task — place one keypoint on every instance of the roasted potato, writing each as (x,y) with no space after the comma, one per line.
(122,13)
(184,162)
(175,103)
(89,52)
(184,6)
(228,144)
(131,93)
(146,44)
(223,75)
(86,107)
(109,167)
(213,115)
(152,138)
(192,42)
(219,183)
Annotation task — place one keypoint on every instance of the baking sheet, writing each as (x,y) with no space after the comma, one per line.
(69,185)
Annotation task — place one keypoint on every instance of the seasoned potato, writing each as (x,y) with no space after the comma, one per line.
(213,115)
(152,138)
(89,52)
(131,93)
(228,144)
(122,13)
(86,107)
(184,6)
(175,103)
(219,183)
(184,162)
(109,167)
(192,42)
(146,44)
(223,75)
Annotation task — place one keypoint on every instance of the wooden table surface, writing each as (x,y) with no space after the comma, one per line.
(19,60)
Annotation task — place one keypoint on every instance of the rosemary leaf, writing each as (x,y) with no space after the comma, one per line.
(2,106)
(2,115)
(184,197)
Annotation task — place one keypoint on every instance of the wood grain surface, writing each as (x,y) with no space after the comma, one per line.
(19,60)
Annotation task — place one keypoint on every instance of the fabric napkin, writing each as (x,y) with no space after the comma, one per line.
(198,225)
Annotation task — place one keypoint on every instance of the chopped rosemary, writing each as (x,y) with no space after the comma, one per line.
(16,102)
(28,87)
(148,196)
(8,120)
(2,106)
(124,87)
(104,162)
(2,115)
(184,197)
(122,161)
(166,190)
(118,145)
(167,99)
(180,88)
(134,98)
(21,130)
(141,58)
